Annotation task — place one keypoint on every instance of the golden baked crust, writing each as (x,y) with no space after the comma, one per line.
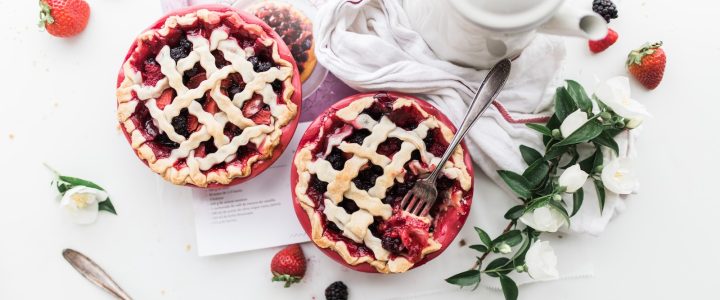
(340,186)
(199,171)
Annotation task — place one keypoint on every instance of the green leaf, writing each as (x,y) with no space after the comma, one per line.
(479,247)
(515,212)
(517,183)
(107,206)
(577,92)
(493,266)
(62,187)
(539,128)
(564,104)
(600,189)
(529,155)
(509,288)
(587,164)
(484,237)
(538,202)
(536,173)
(512,238)
(467,278)
(555,151)
(577,201)
(573,160)
(79,182)
(588,131)
(519,258)
(553,123)
(606,140)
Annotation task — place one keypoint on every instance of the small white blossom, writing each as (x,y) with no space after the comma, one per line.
(544,218)
(541,261)
(573,178)
(619,177)
(572,122)
(504,248)
(81,203)
(615,93)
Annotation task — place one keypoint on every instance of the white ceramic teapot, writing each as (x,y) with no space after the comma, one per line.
(479,33)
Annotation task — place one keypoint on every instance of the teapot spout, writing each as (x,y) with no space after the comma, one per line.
(571,21)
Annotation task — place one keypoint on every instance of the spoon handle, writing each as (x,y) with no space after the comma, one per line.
(490,87)
(90,270)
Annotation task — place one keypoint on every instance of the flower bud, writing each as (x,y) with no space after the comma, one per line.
(556,133)
(557,197)
(521,269)
(503,248)
(605,115)
(633,122)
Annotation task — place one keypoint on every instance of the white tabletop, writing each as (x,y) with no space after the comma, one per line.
(58,107)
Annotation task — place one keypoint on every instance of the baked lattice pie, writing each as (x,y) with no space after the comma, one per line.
(353,167)
(208,96)
(294,28)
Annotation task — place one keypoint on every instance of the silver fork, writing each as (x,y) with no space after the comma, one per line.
(424,194)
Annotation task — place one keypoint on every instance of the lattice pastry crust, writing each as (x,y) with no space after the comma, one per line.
(355,226)
(197,170)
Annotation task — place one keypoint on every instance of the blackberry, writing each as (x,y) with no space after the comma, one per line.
(182,50)
(392,244)
(358,136)
(180,123)
(260,64)
(336,291)
(164,140)
(235,88)
(366,178)
(336,158)
(349,205)
(606,9)
(277,85)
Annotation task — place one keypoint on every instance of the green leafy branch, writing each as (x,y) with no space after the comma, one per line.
(538,185)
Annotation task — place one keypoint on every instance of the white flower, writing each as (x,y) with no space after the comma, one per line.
(544,218)
(81,203)
(541,261)
(572,122)
(573,178)
(618,176)
(615,93)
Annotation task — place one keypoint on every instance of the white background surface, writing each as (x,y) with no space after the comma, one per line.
(58,106)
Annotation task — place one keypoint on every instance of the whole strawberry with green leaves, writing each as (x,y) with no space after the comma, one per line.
(647,64)
(288,265)
(64,18)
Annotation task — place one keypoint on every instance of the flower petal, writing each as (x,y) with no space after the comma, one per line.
(85,215)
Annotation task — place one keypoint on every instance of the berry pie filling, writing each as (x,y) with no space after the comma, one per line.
(295,30)
(204,96)
(354,173)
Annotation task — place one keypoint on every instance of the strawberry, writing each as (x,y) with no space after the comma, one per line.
(600,45)
(288,265)
(647,64)
(196,80)
(252,106)
(64,18)
(165,98)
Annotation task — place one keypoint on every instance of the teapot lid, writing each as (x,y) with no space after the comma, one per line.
(507,16)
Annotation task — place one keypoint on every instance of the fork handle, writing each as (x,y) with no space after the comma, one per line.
(490,87)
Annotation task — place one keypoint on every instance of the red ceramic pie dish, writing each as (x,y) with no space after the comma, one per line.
(290,88)
(446,219)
